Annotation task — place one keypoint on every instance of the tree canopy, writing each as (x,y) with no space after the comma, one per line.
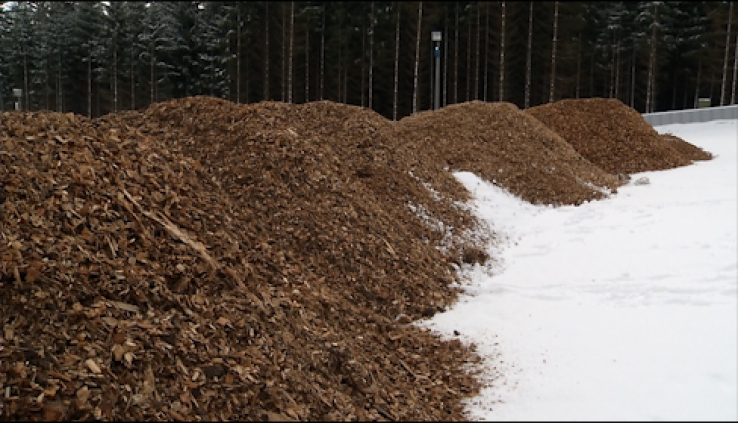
(95,58)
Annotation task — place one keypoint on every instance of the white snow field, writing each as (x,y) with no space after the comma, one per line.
(619,309)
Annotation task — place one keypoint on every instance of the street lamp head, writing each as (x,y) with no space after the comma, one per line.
(435,35)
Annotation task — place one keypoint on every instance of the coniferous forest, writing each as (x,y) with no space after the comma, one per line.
(94,58)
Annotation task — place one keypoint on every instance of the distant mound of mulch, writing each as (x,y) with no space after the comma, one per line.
(505,146)
(201,260)
(610,134)
(688,150)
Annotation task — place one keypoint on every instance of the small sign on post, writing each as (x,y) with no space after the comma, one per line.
(704,103)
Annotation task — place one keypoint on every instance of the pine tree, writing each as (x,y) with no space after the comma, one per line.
(19,48)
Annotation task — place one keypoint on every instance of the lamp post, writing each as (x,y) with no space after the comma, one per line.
(18,93)
(436,38)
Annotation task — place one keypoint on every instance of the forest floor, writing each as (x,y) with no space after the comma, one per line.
(203,260)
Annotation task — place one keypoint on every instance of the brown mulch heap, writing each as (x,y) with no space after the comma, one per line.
(688,150)
(505,146)
(610,134)
(217,261)
(202,260)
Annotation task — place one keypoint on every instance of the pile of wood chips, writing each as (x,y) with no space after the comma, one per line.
(610,134)
(508,147)
(690,151)
(202,260)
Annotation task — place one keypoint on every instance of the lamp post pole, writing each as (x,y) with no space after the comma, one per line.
(17,93)
(436,38)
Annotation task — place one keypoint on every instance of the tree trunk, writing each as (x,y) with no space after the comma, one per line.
(115,81)
(371,54)
(340,50)
(212,76)
(502,54)
(673,93)
(476,47)
(591,75)
(617,70)
(238,53)
(26,99)
(322,55)
(579,63)
(712,86)
(468,58)
(735,69)
(248,77)
(89,84)
(528,56)
(283,69)
(633,79)
(133,81)
(345,83)
(266,53)
(289,63)
(727,53)
(47,85)
(611,79)
(307,62)
(686,93)
(397,61)
(363,54)
(60,87)
(652,59)
(151,68)
(697,84)
(553,52)
(456,57)
(486,53)
(417,58)
(445,58)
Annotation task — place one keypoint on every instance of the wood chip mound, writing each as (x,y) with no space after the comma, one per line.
(507,147)
(203,260)
(216,261)
(610,134)
(688,150)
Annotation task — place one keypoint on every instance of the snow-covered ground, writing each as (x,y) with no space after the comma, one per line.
(620,309)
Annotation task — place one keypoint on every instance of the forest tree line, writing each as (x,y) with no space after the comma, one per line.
(94,58)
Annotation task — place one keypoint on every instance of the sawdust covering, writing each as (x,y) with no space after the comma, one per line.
(610,134)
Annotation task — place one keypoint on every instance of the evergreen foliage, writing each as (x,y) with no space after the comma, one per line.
(95,58)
